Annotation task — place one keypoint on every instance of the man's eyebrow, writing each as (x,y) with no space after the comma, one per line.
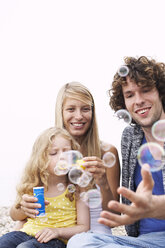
(127,92)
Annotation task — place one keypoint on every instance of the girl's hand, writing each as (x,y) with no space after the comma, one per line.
(47,234)
(29,205)
(95,166)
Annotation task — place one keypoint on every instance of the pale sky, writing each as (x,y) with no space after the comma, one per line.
(47,43)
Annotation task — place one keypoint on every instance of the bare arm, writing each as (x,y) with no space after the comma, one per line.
(113,174)
(83,225)
(144,204)
(107,179)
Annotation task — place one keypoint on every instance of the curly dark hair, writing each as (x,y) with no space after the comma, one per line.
(144,72)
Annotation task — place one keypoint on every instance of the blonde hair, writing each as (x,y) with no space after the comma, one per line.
(36,170)
(91,143)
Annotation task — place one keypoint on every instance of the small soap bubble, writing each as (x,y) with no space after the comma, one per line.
(152,154)
(105,146)
(158,130)
(124,115)
(71,188)
(123,71)
(60,186)
(109,159)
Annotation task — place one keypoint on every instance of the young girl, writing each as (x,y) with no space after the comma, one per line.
(66,214)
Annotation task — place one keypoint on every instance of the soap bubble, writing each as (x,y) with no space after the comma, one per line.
(92,198)
(152,154)
(71,156)
(71,163)
(71,188)
(66,161)
(61,168)
(109,159)
(84,179)
(74,174)
(123,114)
(158,130)
(60,186)
(105,146)
(123,71)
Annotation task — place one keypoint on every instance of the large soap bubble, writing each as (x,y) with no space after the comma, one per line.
(92,198)
(66,160)
(152,154)
(61,168)
(158,130)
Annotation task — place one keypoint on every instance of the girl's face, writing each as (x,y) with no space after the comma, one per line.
(59,145)
(77,117)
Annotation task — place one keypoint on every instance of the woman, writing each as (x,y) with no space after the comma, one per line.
(75,111)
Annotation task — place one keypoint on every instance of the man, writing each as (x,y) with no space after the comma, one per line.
(141,90)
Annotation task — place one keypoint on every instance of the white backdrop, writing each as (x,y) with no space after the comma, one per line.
(47,43)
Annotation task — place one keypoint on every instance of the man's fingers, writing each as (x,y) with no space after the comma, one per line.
(147,177)
(129,194)
(113,220)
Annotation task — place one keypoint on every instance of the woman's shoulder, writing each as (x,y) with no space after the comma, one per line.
(107,147)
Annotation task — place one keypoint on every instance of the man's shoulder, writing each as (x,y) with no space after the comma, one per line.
(132,130)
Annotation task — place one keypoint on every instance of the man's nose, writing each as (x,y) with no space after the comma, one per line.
(139,99)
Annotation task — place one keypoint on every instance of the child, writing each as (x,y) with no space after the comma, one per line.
(63,218)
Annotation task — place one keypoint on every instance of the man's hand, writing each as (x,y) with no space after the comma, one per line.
(141,206)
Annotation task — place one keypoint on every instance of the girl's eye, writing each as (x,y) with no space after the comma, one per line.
(53,153)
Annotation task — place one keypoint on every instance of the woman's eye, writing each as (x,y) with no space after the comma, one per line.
(70,109)
(86,109)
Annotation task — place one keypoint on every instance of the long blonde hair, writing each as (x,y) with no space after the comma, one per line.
(36,170)
(91,143)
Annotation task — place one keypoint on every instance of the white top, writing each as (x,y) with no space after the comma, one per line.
(95,205)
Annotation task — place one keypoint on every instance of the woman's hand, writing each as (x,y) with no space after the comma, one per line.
(95,166)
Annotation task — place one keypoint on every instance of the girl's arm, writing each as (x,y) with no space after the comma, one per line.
(27,209)
(83,225)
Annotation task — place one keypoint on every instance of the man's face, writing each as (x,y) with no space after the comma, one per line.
(143,103)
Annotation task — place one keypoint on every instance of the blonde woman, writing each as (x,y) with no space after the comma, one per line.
(75,111)
(66,214)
